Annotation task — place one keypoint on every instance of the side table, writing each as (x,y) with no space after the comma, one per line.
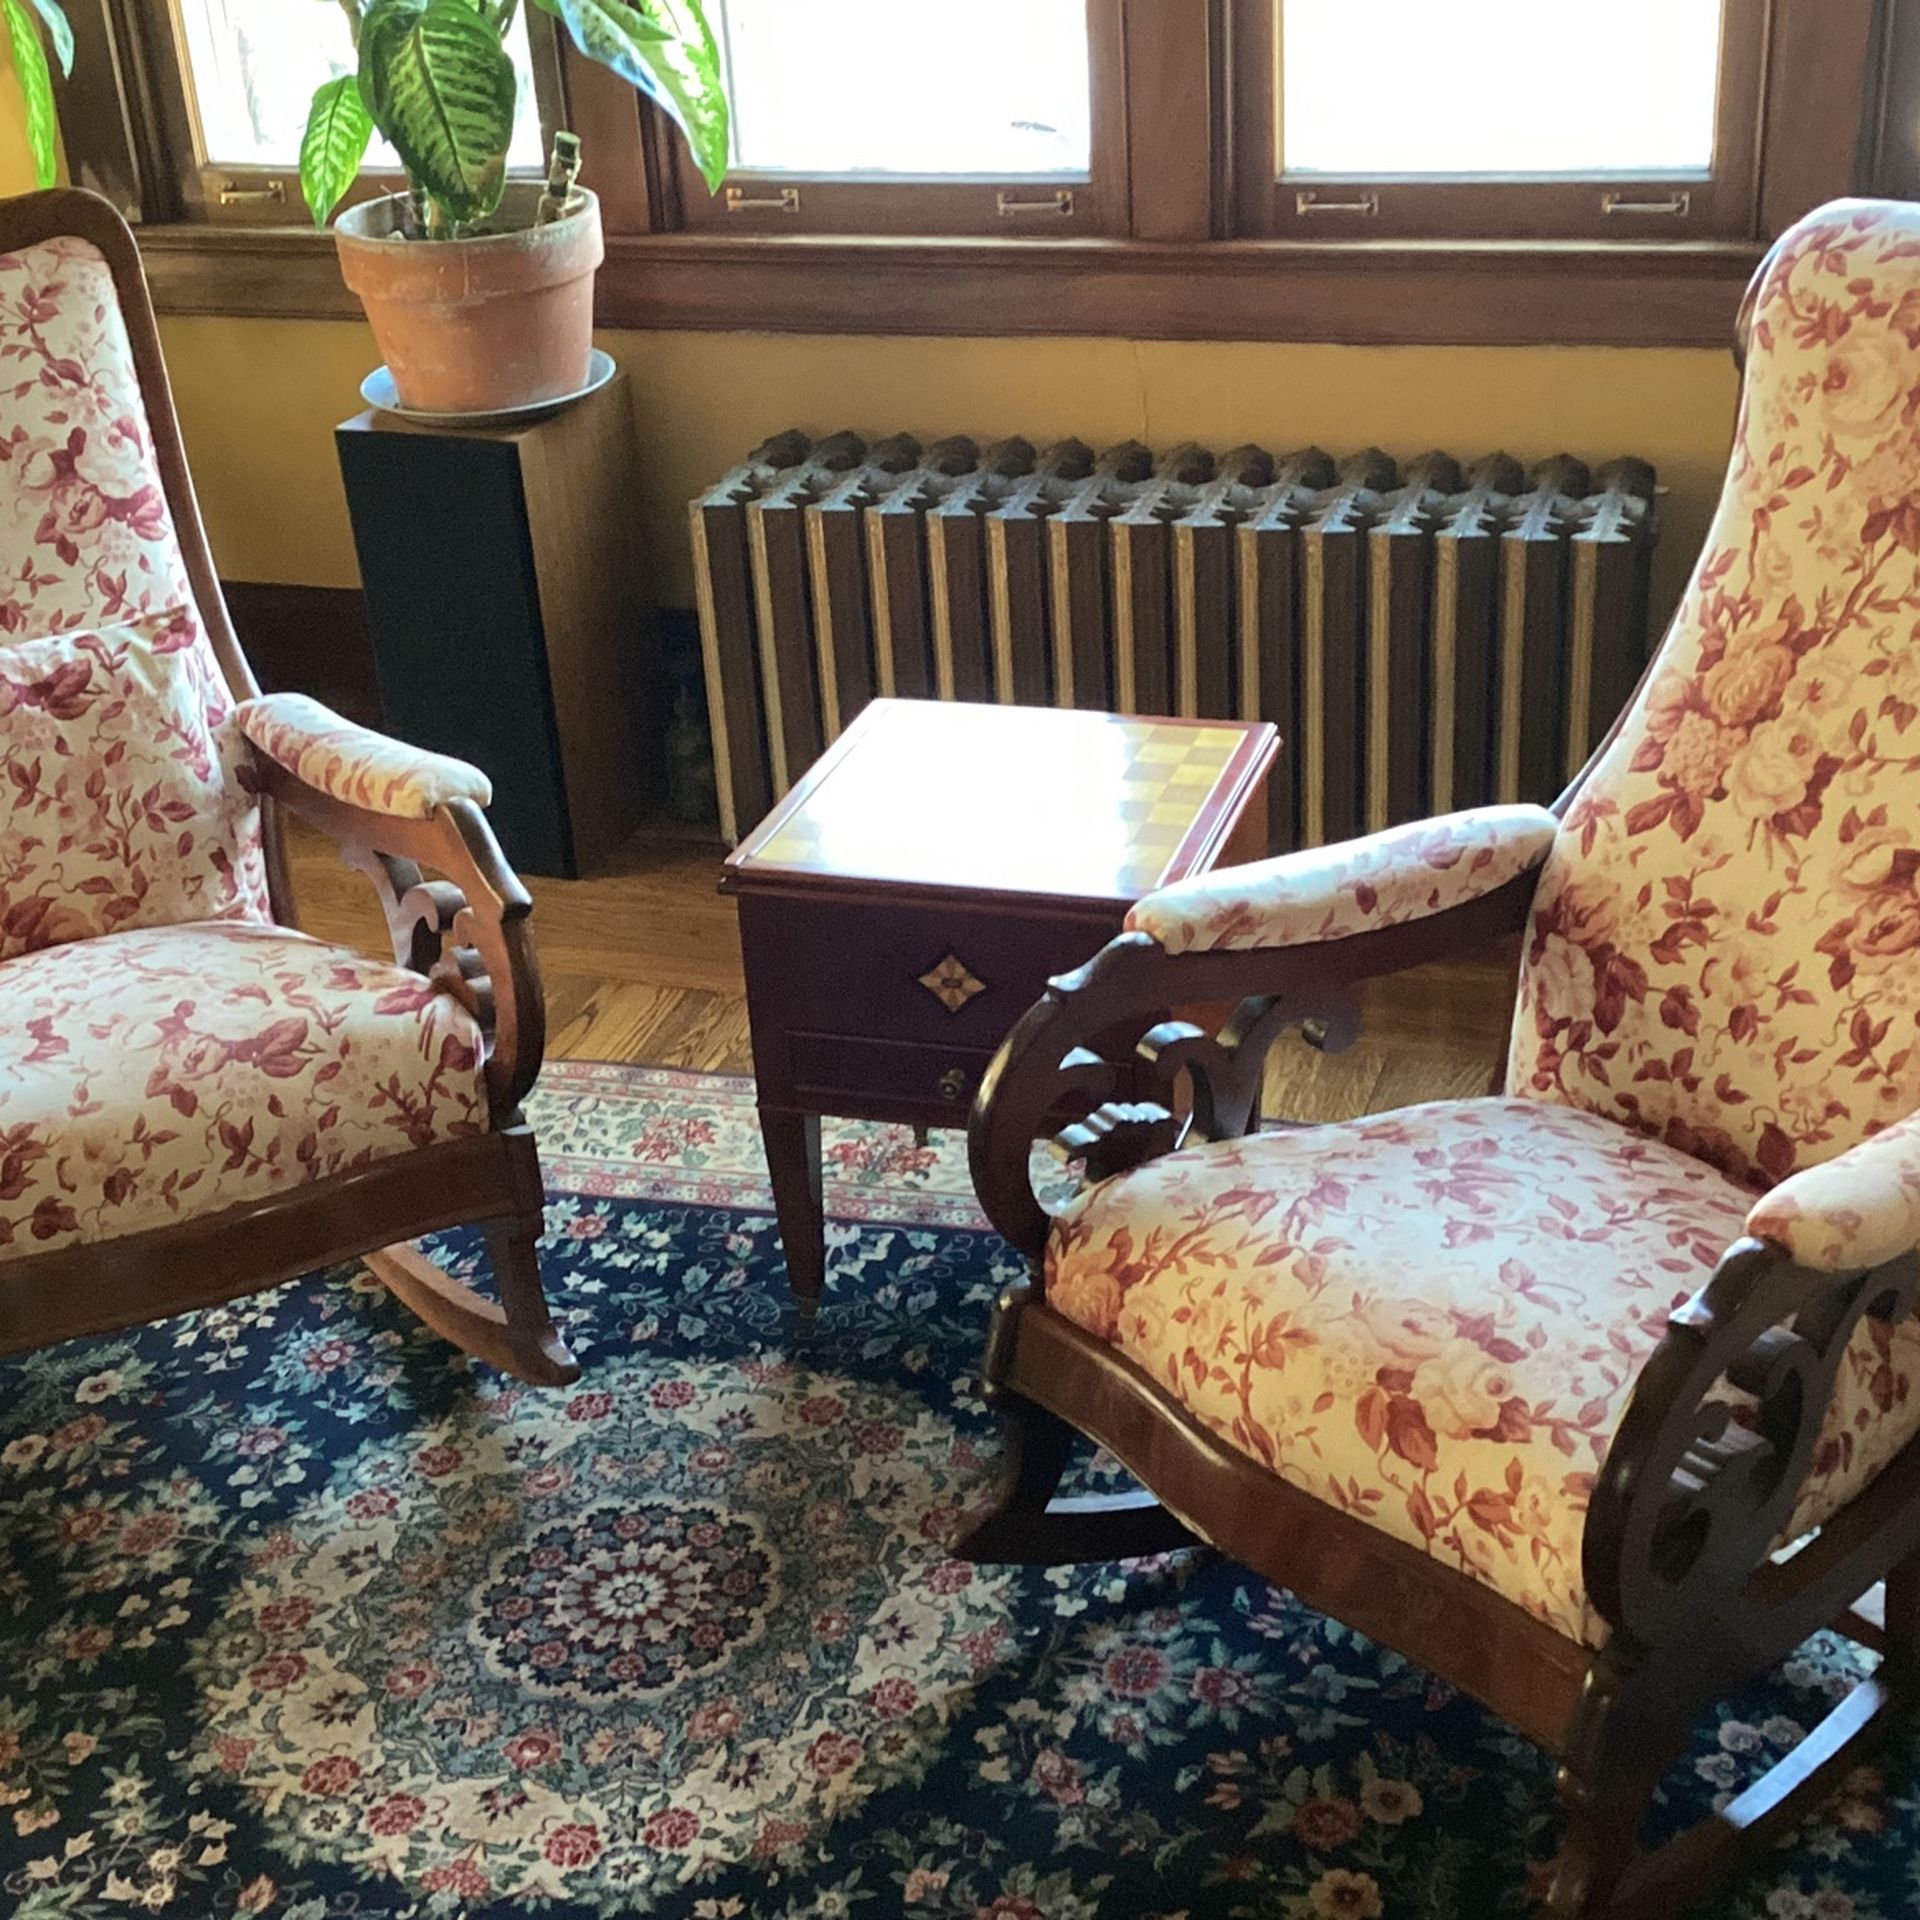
(911,897)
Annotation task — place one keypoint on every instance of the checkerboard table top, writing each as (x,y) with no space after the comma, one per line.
(1011,800)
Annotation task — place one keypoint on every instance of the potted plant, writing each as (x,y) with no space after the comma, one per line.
(36,78)
(480,292)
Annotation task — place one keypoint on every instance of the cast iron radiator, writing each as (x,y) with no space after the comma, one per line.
(1425,638)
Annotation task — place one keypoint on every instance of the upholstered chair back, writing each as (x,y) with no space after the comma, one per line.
(1725,947)
(121,801)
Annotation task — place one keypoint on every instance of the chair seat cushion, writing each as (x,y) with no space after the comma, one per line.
(169,1073)
(1433,1319)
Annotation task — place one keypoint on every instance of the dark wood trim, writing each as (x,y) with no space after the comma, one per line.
(101,1286)
(1823,77)
(1370,293)
(108,133)
(1166,74)
(1173,58)
(1891,138)
(605,112)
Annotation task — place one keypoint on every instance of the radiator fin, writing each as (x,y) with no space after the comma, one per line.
(1425,637)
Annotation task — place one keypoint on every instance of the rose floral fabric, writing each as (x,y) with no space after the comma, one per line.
(1328,893)
(1432,1319)
(355,764)
(1725,950)
(120,804)
(172,1072)
(85,535)
(120,799)
(1853,1212)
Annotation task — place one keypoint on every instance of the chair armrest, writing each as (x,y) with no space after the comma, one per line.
(353,764)
(466,931)
(1857,1210)
(1099,1042)
(1319,894)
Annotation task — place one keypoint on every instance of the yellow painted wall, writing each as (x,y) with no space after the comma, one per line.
(259,400)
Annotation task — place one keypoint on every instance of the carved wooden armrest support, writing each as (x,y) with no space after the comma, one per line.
(1072,1049)
(466,930)
(1705,1469)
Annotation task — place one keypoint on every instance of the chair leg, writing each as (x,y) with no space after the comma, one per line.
(1630,1727)
(515,1333)
(1606,1783)
(1022,1524)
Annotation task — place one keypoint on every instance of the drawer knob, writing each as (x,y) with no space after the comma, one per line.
(953,1084)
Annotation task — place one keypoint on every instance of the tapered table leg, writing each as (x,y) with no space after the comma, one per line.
(793,1163)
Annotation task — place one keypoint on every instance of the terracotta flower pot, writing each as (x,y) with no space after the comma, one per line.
(503,319)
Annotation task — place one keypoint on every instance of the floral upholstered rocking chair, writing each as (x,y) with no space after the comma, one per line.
(1598,1395)
(197,1101)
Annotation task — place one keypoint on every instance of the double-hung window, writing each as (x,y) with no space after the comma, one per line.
(1147,165)
(1405,120)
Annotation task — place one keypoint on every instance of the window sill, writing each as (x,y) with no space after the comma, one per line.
(1374,293)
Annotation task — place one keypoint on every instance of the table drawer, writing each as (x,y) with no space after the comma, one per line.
(839,1067)
(812,967)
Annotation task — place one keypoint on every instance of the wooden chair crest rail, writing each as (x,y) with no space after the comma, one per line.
(1593,1396)
(197,1101)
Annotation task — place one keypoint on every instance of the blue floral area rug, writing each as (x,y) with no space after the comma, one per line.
(302,1615)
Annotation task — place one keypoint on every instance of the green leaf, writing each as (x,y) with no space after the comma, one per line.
(55,15)
(667,50)
(440,86)
(338,130)
(36,83)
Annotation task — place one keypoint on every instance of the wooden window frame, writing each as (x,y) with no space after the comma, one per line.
(235,195)
(1049,206)
(1717,204)
(1175,263)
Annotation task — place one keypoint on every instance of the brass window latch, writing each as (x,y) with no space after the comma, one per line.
(1308,201)
(739,200)
(1010,206)
(1673,206)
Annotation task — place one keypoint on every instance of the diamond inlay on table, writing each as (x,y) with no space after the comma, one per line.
(952,983)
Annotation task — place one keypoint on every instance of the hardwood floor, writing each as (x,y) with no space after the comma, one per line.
(642,964)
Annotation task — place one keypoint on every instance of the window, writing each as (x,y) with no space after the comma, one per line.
(1530,121)
(252,66)
(1541,94)
(898,116)
(236,92)
(1242,169)
(977,112)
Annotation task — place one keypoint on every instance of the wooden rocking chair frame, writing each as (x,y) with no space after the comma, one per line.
(1679,1549)
(457,914)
